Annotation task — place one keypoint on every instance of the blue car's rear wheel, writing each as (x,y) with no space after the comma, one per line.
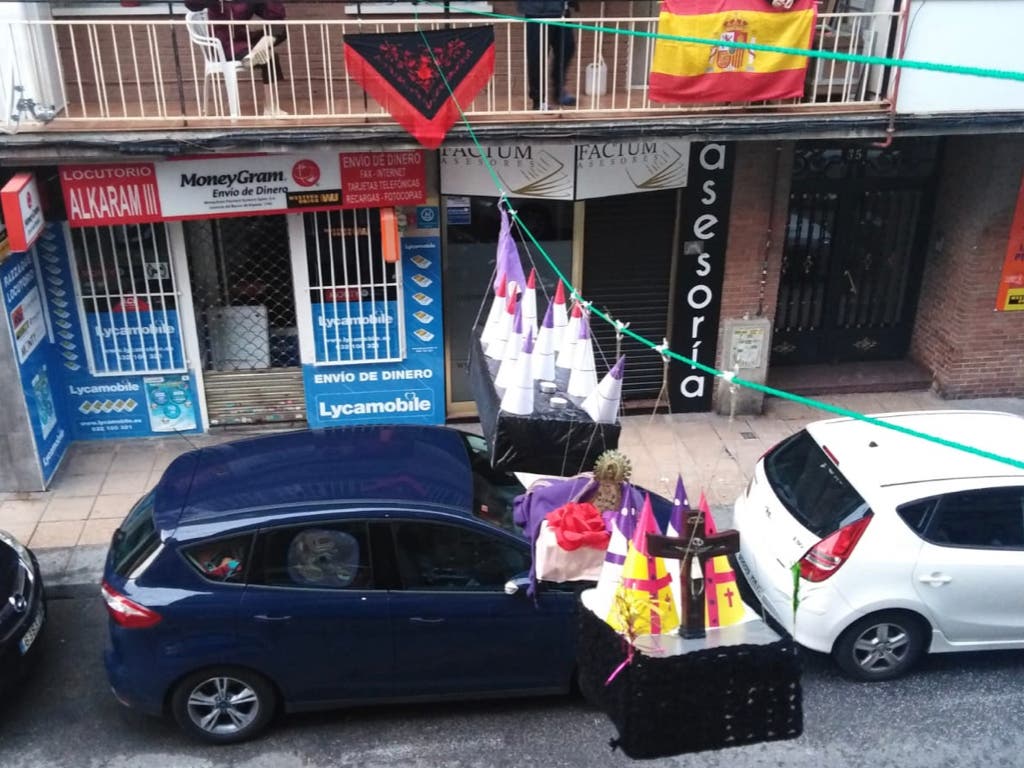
(223,705)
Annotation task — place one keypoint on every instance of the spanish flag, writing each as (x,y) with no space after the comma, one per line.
(696,73)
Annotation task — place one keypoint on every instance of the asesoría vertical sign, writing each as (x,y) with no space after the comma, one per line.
(698,297)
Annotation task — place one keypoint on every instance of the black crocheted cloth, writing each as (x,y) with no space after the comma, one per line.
(708,699)
(550,441)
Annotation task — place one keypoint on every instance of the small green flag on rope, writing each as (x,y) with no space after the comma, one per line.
(796,589)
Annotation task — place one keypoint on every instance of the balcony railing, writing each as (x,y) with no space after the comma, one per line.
(145,73)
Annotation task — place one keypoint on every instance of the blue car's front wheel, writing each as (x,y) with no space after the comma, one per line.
(223,705)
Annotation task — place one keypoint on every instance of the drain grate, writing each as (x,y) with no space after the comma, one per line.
(748,435)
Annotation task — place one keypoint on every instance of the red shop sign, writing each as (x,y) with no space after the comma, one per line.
(116,193)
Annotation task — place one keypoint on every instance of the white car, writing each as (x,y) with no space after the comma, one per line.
(904,546)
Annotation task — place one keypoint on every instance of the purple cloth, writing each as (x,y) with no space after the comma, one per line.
(508,255)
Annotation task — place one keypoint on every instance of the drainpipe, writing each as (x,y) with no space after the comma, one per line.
(890,131)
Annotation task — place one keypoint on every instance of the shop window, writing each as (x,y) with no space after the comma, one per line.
(128,299)
(355,286)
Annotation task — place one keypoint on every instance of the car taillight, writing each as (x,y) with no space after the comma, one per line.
(825,557)
(127,613)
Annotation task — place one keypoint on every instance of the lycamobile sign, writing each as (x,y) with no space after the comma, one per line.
(404,403)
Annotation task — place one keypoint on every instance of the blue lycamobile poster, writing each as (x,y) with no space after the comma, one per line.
(125,405)
(36,359)
(409,390)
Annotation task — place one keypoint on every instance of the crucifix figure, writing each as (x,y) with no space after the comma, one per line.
(693,550)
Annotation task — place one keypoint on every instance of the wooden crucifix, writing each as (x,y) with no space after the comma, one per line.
(693,544)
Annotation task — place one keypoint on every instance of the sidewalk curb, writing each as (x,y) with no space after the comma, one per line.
(72,591)
(71,572)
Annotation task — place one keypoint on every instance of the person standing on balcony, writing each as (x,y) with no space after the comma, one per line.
(239,45)
(561,46)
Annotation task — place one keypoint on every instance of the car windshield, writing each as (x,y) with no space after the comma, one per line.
(136,539)
(811,486)
(494,491)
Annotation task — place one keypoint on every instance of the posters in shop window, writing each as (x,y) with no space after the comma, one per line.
(410,390)
(126,405)
(37,364)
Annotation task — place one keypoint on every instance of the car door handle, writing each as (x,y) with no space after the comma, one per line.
(264,617)
(936,579)
(423,620)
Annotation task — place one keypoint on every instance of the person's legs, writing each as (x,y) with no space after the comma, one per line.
(563,48)
(262,56)
(271,76)
(533,33)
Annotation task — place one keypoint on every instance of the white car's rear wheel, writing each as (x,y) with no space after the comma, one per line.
(881,646)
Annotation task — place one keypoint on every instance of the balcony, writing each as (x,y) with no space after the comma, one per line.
(136,73)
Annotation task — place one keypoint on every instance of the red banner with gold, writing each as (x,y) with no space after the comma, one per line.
(684,72)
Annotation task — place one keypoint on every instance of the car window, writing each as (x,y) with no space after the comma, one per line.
(917,514)
(811,486)
(225,560)
(436,556)
(993,517)
(136,538)
(321,556)
(494,491)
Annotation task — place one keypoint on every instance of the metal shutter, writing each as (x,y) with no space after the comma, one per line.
(627,260)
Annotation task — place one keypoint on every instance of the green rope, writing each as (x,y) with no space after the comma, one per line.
(728,376)
(931,66)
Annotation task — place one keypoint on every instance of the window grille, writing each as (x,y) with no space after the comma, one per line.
(128,300)
(355,287)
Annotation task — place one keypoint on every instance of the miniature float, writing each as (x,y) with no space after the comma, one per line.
(667,648)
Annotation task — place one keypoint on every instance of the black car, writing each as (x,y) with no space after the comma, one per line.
(22,610)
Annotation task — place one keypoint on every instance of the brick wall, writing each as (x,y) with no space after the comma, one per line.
(972,350)
(759,167)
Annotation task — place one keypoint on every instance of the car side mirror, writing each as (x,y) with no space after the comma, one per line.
(513,586)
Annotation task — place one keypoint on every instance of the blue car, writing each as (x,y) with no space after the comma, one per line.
(315,569)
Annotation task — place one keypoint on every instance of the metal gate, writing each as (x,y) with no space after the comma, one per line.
(853,252)
(627,263)
(240,271)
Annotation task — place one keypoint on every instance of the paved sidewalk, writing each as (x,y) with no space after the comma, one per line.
(70,525)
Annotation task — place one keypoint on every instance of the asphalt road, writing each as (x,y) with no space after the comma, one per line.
(958,711)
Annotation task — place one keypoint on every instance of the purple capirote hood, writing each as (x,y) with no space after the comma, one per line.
(508,254)
(619,369)
(549,317)
(528,344)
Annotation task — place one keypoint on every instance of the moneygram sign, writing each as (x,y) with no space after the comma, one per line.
(240,185)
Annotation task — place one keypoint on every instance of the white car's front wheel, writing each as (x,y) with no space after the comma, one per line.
(881,646)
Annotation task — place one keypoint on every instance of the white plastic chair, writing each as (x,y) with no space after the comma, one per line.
(215,62)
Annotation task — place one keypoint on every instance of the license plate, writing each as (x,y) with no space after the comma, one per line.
(33,631)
